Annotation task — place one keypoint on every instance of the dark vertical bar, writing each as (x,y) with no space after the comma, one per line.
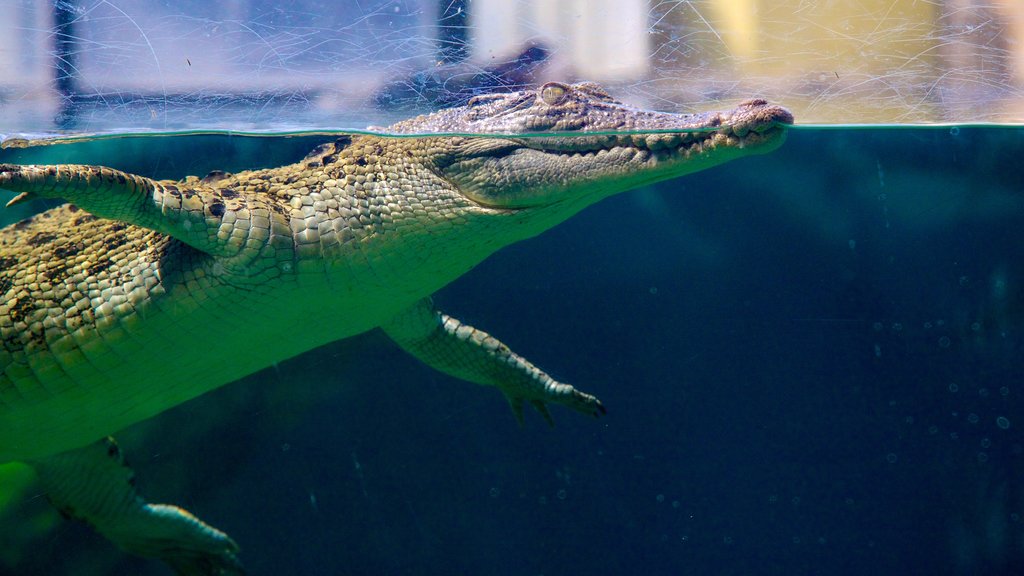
(452,36)
(65,66)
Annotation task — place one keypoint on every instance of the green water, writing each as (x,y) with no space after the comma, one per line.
(813,362)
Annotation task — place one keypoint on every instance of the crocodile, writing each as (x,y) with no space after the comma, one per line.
(137,294)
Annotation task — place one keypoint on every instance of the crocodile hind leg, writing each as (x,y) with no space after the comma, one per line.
(94,485)
(457,349)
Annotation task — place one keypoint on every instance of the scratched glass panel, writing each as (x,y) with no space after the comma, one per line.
(112,65)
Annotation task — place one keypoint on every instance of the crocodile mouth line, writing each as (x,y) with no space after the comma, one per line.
(660,146)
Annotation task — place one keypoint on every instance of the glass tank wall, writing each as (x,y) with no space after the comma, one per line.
(112,65)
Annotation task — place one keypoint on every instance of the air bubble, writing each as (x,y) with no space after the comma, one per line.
(953,387)
(982,457)
(1004,391)
(933,430)
(561,494)
(985,443)
(983,392)
(653,290)
(1003,423)
(877,326)
(891,458)
(675,504)
(494,492)
(944,342)
(954,131)
(660,498)
(972,418)
(976,326)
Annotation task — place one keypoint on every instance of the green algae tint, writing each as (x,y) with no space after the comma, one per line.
(804,353)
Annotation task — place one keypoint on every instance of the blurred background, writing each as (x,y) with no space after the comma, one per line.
(101,65)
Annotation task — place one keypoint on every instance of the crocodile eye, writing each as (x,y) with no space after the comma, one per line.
(553,93)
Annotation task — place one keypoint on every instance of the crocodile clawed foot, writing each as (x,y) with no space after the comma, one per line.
(190,546)
(567,396)
(586,404)
(93,484)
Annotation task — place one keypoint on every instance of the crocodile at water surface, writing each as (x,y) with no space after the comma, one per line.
(139,294)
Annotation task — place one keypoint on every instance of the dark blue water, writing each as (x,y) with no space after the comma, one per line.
(813,363)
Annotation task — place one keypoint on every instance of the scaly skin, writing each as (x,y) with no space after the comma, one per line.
(139,295)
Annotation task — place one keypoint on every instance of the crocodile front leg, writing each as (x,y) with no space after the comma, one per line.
(462,351)
(199,215)
(93,484)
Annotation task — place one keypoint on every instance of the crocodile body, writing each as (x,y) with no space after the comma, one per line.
(138,295)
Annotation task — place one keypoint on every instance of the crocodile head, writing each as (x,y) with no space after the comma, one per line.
(571,145)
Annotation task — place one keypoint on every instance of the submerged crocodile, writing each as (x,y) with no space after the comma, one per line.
(138,294)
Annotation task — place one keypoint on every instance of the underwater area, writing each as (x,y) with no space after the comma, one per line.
(811,360)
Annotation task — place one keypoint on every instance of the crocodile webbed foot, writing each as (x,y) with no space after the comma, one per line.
(570,397)
(462,351)
(190,546)
(93,484)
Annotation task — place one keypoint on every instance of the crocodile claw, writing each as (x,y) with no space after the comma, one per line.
(579,401)
(23,197)
(190,546)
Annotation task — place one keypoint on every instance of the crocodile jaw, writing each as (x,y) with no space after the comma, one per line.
(541,170)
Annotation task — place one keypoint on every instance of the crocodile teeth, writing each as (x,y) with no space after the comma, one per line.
(663,141)
(672,142)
